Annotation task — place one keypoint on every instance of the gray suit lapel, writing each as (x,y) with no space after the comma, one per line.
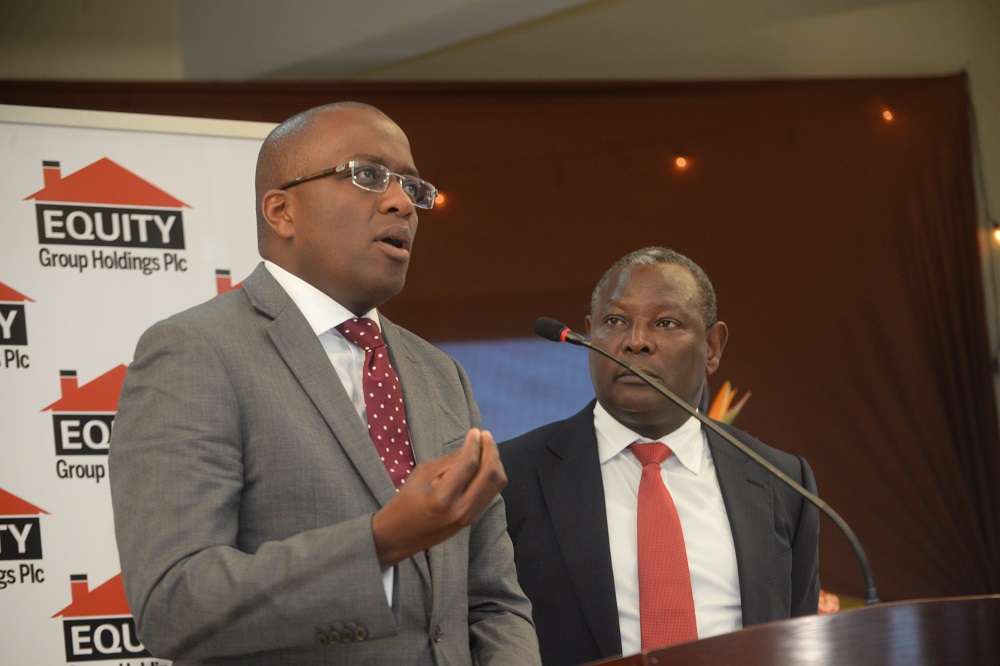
(303,353)
(747,493)
(573,490)
(424,438)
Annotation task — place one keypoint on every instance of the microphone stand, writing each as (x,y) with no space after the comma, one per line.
(553,330)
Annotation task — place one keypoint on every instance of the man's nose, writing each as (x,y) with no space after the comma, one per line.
(394,199)
(638,340)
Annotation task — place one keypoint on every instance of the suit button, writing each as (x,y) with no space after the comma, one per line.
(360,633)
(437,633)
(346,635)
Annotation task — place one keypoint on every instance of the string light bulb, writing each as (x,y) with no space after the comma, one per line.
(887,114)
(439,200)
(681,163)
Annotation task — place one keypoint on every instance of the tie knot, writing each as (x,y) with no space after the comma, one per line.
(651,453)
(363,332)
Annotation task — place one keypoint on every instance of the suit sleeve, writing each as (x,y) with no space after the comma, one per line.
(500,627)
(178,470)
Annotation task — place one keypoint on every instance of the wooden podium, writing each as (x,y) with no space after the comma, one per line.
(949,631)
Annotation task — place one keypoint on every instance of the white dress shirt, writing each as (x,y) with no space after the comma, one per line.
(323,315)
(690,477)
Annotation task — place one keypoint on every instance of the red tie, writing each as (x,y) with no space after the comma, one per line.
(383,399)
(666,606)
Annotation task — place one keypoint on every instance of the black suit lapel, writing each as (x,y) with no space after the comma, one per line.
(747,493)
(573,490)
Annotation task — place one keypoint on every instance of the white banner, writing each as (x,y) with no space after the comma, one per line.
(114,221)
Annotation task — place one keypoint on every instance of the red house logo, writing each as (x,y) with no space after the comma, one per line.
(20,533)
(83,416)
(224,282)
(13,327)
(98,624)
(104,204)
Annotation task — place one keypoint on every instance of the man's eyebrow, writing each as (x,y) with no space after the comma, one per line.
(662,308)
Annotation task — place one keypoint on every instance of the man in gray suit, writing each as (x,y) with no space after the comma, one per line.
(256,521)
(751,543)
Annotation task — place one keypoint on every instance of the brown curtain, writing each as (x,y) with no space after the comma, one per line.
(843,247)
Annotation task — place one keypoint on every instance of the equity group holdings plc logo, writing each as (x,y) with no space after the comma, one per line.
(13,327)
(99,625)
(82,419)
(20,540)
(107,206)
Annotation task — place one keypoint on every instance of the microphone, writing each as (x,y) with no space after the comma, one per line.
(550,329)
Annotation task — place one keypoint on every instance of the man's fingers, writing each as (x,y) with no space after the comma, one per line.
(458,467)
(440,497)
(487,482)
(471,478)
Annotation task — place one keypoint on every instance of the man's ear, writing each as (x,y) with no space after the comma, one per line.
(716,337)
(275,207)
(586,324)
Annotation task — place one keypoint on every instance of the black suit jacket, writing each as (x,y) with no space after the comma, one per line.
(557,520)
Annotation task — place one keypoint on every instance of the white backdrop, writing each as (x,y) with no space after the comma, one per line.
(74,297)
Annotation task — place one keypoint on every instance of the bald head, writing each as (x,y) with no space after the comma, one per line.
(351,242)
(285,152)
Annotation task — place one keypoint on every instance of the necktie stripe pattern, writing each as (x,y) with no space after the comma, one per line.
(666,603)
(383,400)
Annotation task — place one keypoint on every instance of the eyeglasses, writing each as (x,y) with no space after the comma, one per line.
(375,178)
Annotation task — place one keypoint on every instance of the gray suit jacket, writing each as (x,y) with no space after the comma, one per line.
(558,522)
(243,485)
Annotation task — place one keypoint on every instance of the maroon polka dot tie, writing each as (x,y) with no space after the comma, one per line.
(666,604)
(383,399)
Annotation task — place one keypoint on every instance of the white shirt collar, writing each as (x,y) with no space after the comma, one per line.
(321,311)
(687,442)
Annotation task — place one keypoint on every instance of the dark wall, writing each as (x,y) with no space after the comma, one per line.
(843,247)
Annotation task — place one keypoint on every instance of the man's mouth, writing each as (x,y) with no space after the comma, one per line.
(630,376)
(397,238)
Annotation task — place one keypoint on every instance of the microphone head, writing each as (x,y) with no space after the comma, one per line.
(550,329)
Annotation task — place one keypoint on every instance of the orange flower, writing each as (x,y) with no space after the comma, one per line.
(722,408)
(828,602)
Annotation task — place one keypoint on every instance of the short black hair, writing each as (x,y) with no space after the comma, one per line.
(661,255)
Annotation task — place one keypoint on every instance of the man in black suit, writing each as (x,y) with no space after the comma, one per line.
(751,542)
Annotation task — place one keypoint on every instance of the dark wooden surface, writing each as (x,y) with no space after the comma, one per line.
(955,631)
